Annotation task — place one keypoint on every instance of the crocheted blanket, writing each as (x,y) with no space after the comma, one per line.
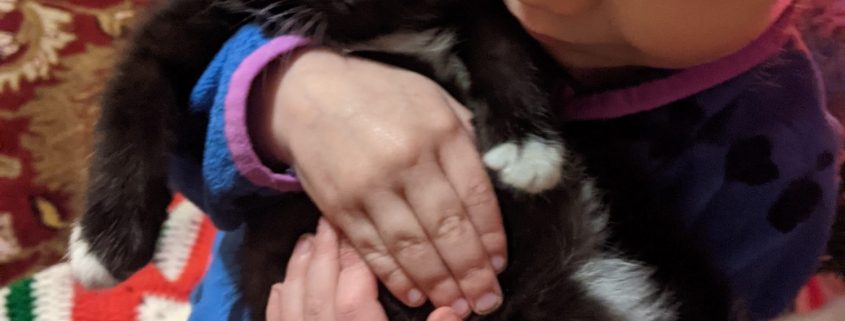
(159,292)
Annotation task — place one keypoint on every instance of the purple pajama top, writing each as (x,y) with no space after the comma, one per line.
(739,151)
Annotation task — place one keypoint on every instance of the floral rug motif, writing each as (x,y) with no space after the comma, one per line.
(54,58)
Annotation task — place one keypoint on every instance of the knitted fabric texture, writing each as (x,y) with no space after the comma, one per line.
(159,292)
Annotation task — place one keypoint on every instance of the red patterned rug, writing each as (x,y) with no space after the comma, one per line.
(54,57)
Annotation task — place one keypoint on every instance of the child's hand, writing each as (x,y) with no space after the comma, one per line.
(388,157)
(327,283)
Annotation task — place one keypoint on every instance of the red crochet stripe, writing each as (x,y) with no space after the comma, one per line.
(120,303)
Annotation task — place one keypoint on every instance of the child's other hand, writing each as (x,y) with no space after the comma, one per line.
(325,282)
(389,158)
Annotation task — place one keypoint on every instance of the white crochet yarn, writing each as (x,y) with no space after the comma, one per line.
(4,314)
(177,240)
(53,293)
(155,308)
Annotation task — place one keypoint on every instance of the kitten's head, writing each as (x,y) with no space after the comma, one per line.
(349,21)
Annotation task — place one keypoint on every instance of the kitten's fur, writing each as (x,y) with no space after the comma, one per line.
(560,266)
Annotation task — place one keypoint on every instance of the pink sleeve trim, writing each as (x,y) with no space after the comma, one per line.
(651,95)
(237,96)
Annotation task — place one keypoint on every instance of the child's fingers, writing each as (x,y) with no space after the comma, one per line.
(274,304)
(373,250)
(322,274)
(293,289)
(445,219)
(357,292)
(444,314)
(355,280)
(406,242)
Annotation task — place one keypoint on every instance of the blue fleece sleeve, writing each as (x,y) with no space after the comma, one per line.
(219,183)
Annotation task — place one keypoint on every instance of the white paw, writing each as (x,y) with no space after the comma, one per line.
(85,266)
(533,166)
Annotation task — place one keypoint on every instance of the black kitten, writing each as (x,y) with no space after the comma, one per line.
(560,266)
(144,108)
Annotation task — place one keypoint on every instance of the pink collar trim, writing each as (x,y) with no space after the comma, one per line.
(657,93)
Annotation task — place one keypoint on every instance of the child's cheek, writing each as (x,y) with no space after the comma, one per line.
(583,23)
(655,33)
(677,34)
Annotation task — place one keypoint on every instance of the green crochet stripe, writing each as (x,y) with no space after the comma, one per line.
(19,302)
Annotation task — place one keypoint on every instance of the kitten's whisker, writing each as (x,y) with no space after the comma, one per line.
(312,22)
(266,11)
(320,32)
(281,20)
(294,22)
(276,18)
(288,26)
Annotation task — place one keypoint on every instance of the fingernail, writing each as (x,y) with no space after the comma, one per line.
(487,303)
(461,307)
(303,246)
(498,263)
(414,296)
